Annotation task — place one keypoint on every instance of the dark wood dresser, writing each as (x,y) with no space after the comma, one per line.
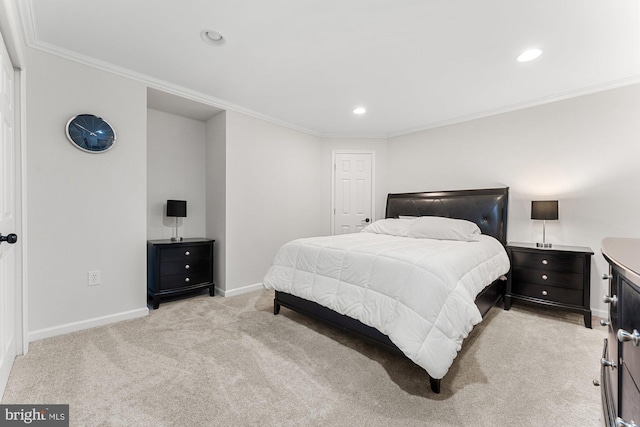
(178,267)
(559,277)
(620,372)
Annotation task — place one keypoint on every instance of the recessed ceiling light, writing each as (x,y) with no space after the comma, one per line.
(212,37)
(529,55)
(359,110)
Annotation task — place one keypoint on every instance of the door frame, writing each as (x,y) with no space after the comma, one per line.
(22,324)
(12,36)
(332,212)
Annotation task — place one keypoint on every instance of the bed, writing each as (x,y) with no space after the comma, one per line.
(374,283)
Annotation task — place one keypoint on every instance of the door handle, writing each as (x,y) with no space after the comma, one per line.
(9,238)
(367,220)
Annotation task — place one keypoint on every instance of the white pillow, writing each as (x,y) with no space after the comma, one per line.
(391,226)
(436,227)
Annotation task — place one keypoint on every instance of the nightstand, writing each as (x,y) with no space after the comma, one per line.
(559,276)
(175,267)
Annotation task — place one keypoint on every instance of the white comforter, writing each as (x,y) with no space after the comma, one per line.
(419,292)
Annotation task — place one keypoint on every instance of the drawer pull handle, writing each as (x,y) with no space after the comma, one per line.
(606,276)
(545,293)
(187,280)
(622,423)
(545,262)
(186,267)
(604,362)
(187,253)
(604,322)
(610,299)
(545,277)
(624,336)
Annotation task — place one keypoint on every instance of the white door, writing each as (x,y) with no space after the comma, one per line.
(8,208)
(352,191)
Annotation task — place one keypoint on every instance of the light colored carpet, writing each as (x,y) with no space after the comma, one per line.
(230,362)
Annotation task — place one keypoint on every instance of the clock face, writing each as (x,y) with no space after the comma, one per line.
(90,133)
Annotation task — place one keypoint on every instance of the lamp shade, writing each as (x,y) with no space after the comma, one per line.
(544,209)
(177,208)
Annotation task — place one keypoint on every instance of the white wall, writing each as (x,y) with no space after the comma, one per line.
(583,152)
(176,169)
(85,211)
(273,181)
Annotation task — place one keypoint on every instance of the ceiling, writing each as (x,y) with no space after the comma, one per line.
(306,64)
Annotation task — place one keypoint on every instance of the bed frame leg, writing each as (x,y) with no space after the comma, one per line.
(276,307)
(435,385)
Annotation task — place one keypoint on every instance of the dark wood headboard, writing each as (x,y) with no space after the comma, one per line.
(485,207)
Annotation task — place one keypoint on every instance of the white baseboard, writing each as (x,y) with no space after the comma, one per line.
(86,324)
(239,291)
(603,314)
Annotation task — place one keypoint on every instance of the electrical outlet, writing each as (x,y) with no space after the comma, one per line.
(94,278)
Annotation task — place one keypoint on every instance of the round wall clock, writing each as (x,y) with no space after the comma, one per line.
(90,133)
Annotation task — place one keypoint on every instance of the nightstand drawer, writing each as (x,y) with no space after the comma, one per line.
(184,253)
(548,277)
(548,293)
(184,267)
(554,262)
(184,280)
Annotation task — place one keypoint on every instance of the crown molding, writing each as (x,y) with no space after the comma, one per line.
(354,135)
(12,32)
(29,27)
(31,36)
(225,105)
(522,105)
(28,21)
(165,86)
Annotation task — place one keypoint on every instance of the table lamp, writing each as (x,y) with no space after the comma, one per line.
(544,210)
(177,209)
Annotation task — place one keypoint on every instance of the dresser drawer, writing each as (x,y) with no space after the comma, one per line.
(630,322)
(548,277)
(631,361)
(184,252)
(184,280)
(548,293)
(184,267)
(552,261)
(629,396)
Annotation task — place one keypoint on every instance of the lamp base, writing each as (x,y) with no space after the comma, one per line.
(543,245)
(176,239)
